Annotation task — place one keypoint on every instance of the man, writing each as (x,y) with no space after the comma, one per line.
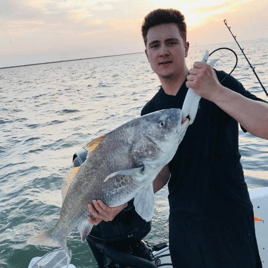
(211,221)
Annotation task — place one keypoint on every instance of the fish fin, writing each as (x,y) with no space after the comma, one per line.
(144,203)
(84,229)
(92,146)
(46,238)
(134,173)
(67,181)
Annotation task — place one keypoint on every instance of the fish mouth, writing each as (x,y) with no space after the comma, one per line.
(184,124)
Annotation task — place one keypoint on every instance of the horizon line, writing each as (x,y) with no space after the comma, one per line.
(60,61)
(115,55)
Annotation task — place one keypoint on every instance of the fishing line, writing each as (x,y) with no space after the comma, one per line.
(242,50)
(226,48)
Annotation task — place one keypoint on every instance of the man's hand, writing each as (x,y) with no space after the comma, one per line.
(252,115)
(203,80)
(101,212)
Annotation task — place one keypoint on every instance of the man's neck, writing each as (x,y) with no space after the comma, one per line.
(171,85)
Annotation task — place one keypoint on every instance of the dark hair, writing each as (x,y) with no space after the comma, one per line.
(161,16)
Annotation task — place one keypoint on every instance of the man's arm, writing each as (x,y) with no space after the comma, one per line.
(101,212)
(252,115)
(161,179)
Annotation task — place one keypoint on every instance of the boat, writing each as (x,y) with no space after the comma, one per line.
(259,199)
(160,252)
(58,259)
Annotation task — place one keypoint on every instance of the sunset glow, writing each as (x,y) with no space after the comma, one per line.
(46,30)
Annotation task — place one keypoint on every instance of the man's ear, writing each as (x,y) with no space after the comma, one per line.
(146,53)
(187,45)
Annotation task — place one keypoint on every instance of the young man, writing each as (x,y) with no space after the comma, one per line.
(211,216)
(211,221)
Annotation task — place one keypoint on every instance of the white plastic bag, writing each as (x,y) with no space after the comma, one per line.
(55,259)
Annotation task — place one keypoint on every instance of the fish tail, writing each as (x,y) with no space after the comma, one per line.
(47,238)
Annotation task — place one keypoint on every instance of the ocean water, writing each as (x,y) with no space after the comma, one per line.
(48,112)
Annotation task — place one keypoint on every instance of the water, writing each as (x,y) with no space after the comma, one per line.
(49,111)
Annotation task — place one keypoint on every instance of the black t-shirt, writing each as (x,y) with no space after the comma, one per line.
(127,226)
(207,180)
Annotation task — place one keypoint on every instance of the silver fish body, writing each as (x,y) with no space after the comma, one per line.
(120,166)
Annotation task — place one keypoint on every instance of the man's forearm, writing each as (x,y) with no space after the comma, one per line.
(161,179)
(252,115)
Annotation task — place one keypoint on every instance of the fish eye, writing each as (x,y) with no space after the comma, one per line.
(161,124)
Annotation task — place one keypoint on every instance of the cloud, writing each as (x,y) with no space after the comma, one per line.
(51,19)
(198,12)
(52,10)
(33,26)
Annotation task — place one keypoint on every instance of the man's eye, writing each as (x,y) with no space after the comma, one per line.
(154,46)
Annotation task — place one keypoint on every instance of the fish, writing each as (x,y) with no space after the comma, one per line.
(120,166)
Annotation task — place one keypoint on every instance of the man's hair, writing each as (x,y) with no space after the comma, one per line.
(161,16)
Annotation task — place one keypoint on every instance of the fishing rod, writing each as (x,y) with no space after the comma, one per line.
(242,50)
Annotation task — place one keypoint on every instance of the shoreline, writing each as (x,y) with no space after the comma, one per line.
(61,61)
(98,57)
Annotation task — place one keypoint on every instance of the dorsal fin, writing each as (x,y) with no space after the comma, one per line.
(68,180)
(92,146)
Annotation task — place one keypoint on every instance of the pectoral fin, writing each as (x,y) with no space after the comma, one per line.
(84,229)
(144,203)
(134,173)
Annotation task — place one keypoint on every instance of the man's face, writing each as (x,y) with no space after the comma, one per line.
(166,50)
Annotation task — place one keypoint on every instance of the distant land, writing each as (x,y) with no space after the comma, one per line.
(50,62)
(115,55)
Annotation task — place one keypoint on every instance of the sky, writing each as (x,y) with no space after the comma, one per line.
(35,31)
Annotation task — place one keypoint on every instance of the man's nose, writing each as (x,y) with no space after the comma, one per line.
(164,50)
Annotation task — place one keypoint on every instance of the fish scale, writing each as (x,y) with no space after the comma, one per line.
(120,166)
